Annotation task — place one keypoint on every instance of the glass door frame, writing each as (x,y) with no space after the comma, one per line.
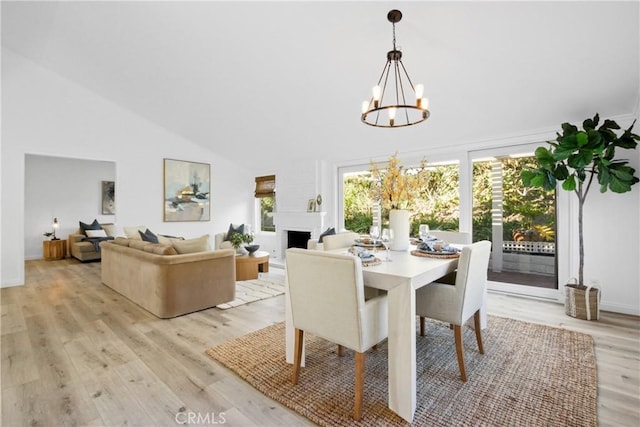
(562,206)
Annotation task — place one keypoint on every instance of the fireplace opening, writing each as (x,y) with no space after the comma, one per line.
(297,239)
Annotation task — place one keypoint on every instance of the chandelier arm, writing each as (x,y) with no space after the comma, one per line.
(407,74)
(404,99)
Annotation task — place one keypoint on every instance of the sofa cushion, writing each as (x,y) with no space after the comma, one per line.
(234,229)
(123,241)
(85,247)
(95,225)
(132,232)
(168,240)
(148,236)
(96,233)
(138,243)
(189,246)
(160,249)
(110,229)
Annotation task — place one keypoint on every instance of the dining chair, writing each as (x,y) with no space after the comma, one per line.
(340,240)
(326,294)
(345,240)
(455,304)
(455,237)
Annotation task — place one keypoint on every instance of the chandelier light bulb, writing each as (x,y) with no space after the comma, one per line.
(392,116)
(419,91)
(365,106)
(377,91)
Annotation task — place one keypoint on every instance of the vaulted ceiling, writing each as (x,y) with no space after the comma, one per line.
(261,82)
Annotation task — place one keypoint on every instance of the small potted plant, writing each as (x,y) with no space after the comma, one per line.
(239,240)
(575,159)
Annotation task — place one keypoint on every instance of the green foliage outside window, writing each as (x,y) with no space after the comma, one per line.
(266,214)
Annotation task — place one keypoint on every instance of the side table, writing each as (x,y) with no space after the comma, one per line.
(54,249)
(248,266)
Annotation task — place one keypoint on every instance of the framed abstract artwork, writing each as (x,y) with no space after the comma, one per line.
(108,198)
(186,190)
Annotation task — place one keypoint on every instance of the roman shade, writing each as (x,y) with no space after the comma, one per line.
(265,186)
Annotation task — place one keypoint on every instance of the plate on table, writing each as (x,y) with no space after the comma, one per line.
(368,243)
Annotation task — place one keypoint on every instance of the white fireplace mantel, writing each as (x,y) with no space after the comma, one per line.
(300,221)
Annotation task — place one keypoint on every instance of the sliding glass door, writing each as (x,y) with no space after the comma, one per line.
(519,221)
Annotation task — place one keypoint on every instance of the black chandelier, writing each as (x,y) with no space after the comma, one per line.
(400,114)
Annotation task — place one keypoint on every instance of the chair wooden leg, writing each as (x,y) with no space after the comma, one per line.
(340,350)
(476,324)
(359,386)
(297,354)
(457,332)
(421,326)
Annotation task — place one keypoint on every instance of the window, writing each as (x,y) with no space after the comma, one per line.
(266,194)
(436,204)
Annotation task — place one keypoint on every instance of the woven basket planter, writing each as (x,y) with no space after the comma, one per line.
(582,302)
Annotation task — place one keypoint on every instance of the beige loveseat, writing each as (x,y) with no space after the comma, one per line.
(168,285)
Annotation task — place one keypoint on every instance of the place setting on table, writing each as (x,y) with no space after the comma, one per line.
(366,247)
(431,247)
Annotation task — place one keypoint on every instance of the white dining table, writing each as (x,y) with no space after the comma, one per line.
(400,278)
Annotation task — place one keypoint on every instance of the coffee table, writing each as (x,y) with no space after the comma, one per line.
(248,266)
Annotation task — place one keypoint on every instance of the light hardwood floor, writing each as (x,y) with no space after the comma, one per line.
(76,353)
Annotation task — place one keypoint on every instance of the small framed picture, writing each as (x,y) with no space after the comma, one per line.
(311,205)
(108,198)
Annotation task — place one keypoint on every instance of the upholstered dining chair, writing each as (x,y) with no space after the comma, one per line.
(345,240)
(455,237)
(455,304)
(326,293)
(339,240)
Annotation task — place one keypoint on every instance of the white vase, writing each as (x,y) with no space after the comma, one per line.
(399,223)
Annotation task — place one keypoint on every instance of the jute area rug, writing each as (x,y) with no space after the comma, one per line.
(253,290)
(530,375)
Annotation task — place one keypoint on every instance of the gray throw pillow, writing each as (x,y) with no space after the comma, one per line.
(148,236)
(233,230)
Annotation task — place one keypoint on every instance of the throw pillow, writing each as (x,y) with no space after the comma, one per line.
(328,232)
(96,233)
(95,225)
(110,229)
(234,229)
(148,236)
(132,232)
(189,246)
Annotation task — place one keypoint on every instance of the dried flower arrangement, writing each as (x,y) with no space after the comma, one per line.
(395,186)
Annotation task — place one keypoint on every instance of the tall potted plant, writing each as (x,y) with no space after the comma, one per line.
(576,158)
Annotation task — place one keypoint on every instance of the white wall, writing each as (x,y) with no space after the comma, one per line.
(63,188)
(45,114)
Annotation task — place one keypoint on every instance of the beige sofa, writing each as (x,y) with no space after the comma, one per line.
(168,285)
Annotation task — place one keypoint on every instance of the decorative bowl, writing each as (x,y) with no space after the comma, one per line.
(251,248)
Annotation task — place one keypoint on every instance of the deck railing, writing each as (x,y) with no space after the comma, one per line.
(546,248)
